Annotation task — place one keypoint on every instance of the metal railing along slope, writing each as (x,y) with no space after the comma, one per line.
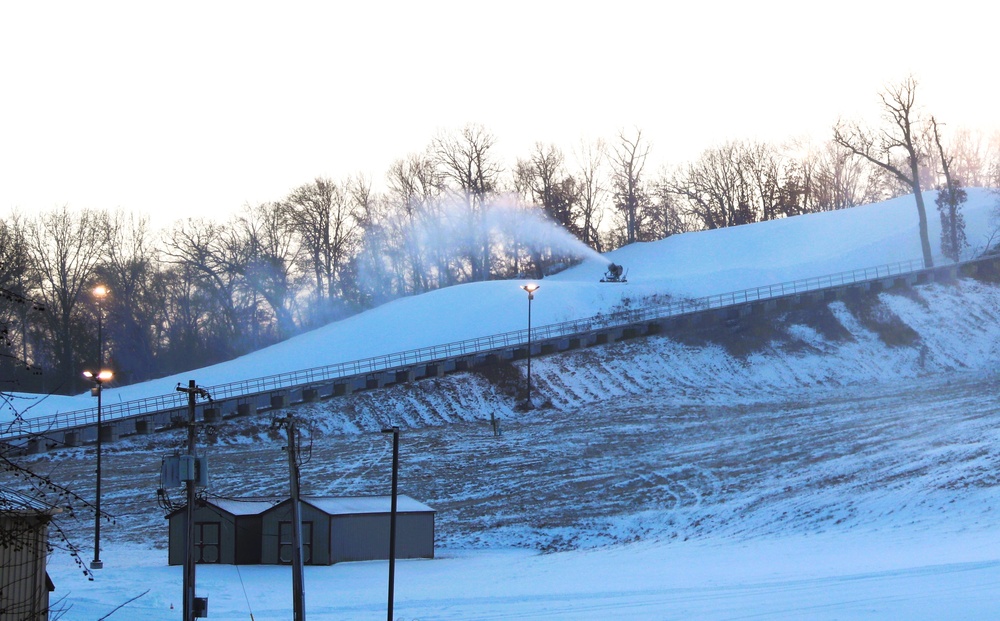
(437,353)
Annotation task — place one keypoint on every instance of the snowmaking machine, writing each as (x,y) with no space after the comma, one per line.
(615,273)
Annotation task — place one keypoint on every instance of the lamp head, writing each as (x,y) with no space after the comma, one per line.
(531,288)
(100,291)
(102,376)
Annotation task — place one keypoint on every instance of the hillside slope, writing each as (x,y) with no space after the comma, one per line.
(651,438)
(689,265)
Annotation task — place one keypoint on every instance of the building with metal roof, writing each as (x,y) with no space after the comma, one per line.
(247,531)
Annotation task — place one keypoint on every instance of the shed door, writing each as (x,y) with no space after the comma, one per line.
(206,542)
(285,542)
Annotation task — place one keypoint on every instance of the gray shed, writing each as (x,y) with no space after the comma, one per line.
(247,531)
(359,527)
(226,530)
(276,534)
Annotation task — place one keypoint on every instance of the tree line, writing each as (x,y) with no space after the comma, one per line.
(205,291)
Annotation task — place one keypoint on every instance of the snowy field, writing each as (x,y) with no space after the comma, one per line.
(842,467)
(820,577)
(872,503)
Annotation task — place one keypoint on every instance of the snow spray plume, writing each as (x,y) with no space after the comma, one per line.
(438,244)
(533,231)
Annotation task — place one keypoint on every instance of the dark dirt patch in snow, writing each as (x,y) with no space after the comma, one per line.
(873,313)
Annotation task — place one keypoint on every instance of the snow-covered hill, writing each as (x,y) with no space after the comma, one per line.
(829,463)
(689,265)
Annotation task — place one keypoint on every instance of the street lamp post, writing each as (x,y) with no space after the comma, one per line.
(103,375)
(99,378)
(531,288)
(100,292)
(392,515)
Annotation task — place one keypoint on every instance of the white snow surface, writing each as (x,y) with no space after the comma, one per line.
(813,478)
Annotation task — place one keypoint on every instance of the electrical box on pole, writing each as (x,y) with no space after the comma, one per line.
(177,470)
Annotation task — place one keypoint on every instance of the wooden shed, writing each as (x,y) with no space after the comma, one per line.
(24,551)
(249,531)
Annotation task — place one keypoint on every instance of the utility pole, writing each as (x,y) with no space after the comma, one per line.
(298,582)
(193,392)
(392,516)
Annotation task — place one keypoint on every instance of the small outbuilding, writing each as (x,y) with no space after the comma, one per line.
(359,527)
(24,549)
(247,531)
(226,531)
(277,542)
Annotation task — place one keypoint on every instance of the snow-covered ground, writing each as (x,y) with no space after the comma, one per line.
(822,577)
(837,463)
(691,265)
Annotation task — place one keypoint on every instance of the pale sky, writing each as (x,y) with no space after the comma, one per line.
(197,108)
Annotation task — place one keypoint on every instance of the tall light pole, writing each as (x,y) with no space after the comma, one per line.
(531,288)
(103,375)
(98,378)
(392,515)
(100,292)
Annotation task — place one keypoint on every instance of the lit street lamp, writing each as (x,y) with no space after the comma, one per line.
(100,292)
(102,376)
(531,288)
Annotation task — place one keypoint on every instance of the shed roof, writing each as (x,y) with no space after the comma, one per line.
(366,504)
(244,506)
(233,506)
(330,505)
(13,502)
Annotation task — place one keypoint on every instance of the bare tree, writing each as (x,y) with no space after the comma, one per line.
(203,251)
(900,134)
(329,230)
(592,190)
(136,305)
(972,154)
(66,247)
(628,161)
(266,255)
(665,213)
(838,180)
(190,315)
(370,211)
(546,183)
(466,160)
(714,188)
(543,183)
(16,282)
(992,164)
(415,189)
(769,192)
